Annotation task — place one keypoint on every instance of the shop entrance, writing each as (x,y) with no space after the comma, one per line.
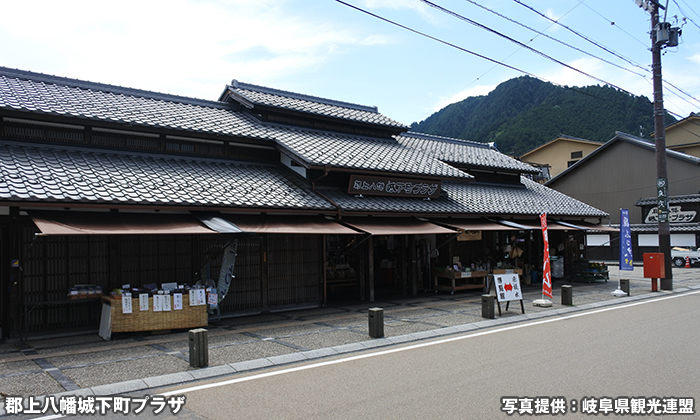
(377,267)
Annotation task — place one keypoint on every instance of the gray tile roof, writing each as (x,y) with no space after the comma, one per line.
(463,152)
(252,95)
(532,199)
(674,227)
(32,173)
(319,148)
(33,92)
(674,199)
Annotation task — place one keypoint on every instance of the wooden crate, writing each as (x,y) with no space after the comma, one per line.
(187,317)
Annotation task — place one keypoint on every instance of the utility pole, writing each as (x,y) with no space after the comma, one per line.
(661,34)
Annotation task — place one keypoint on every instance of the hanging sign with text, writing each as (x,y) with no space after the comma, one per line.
(626,258)
(395,187)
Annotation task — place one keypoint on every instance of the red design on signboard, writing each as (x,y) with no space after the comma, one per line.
(508,287)
(546,271)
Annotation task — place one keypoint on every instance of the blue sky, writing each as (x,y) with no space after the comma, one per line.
(328,49)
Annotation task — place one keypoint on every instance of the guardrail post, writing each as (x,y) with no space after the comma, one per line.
(376,322)
(625,286)
(487,306)
(567,295)
(199,347)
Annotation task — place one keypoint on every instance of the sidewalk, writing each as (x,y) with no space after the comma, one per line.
(87,365)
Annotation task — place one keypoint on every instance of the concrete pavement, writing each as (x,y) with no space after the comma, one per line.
(87,365)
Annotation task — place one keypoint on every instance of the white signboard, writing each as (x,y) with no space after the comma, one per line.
(177,301)
(158,303)
(143,301)
(126,303)
(507,287)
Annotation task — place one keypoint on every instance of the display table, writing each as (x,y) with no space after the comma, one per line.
(588,272)
(29,307)
(113,320)
(450,280)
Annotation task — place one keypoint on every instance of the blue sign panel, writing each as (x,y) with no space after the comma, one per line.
(625,241)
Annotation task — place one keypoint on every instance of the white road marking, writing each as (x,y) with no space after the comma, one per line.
(416,346)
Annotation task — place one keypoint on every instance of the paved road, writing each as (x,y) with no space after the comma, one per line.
(647,349)
(644,349)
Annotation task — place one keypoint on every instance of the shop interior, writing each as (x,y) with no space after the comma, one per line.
(405,265)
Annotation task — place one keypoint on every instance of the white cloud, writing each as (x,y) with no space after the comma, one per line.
(156,44)
(463,94)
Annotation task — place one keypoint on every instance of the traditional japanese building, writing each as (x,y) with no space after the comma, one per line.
(320,200)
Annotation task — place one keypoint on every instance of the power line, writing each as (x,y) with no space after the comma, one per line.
(439,40)
(580,35)
(491,59)
(509,55)
(613,23)
(685,15)
(540,53)
(589,54)
(555,39)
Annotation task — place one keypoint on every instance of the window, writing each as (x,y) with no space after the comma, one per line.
(577,155)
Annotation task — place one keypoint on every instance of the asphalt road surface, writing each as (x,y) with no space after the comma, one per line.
(577,364)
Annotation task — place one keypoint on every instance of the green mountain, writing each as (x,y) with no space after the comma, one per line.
(523,113)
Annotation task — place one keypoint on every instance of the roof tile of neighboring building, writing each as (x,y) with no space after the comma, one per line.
(628,138)
(530,200)
(253,95)
(560,138)
(674,227)
(77,175)
(675,199)
(463,153)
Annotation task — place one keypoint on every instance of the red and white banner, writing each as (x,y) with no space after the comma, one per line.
(546,271)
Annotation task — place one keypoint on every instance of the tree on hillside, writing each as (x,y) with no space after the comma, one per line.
(524,113)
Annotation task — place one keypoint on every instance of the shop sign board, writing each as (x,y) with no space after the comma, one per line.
(394,187)
(469,235)
(507,287)
(675,215)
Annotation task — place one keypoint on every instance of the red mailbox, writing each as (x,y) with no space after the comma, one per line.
(654,268)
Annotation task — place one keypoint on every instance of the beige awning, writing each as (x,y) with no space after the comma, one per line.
(529,224)
(98,223)
(473,224)
(313,225)
(395,226)
(589,226)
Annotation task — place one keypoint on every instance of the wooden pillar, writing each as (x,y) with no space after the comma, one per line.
(324,268)
(264,271)
(5,274)
(370,246)
(405,261)
(415,266)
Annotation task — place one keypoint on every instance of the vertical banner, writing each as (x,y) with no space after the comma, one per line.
(546,271)
(626,259)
